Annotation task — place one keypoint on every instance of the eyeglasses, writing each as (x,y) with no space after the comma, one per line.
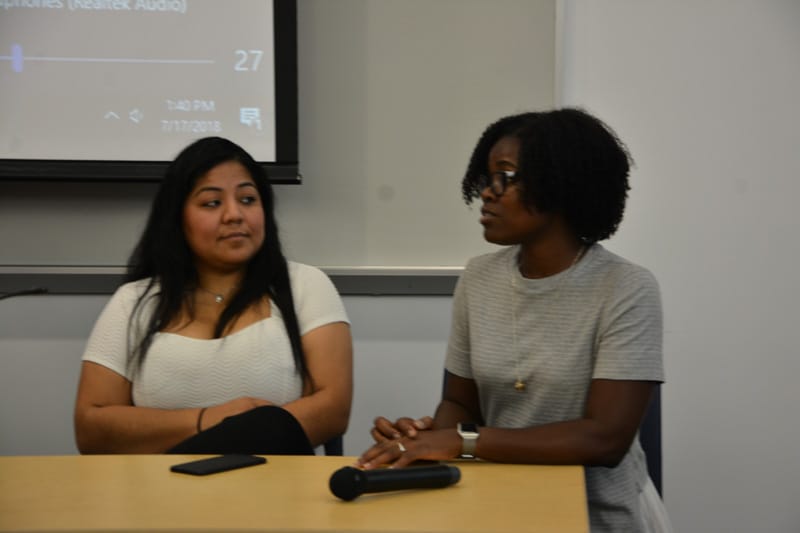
(498,181)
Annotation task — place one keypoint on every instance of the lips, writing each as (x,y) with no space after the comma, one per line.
(234,235)
(487,215)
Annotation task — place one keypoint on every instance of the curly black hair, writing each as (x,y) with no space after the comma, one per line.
(570,163)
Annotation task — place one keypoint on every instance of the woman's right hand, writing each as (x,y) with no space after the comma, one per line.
(215,414)
(383,429)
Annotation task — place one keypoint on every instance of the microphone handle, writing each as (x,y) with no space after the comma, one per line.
(412,477)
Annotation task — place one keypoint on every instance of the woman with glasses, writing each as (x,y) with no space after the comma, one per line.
(555,346)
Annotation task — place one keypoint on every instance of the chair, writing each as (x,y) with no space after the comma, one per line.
(335,446)
(650,438)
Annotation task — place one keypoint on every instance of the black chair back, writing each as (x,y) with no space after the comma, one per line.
(335,446)
(650,438)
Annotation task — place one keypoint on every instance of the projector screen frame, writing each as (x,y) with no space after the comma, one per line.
(285,170)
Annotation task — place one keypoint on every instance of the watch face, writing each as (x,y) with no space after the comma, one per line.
(468,427)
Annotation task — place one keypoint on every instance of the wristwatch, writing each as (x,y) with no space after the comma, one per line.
(469,439)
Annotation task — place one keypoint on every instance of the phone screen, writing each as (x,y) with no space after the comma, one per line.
(222,463)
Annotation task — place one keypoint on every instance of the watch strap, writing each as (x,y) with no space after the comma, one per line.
(469,440)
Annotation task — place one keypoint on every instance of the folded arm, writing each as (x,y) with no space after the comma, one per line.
(106,421)
(601,437)
(324,411)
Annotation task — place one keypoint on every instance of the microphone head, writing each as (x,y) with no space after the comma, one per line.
(348,483)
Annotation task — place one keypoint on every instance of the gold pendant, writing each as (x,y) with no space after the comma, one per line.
(519,385)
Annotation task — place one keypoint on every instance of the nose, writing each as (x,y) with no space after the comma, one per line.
(487,194)
(232,213)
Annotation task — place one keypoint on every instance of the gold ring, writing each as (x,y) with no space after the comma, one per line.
(402,448)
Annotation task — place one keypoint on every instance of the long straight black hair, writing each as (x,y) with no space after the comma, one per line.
(163,256)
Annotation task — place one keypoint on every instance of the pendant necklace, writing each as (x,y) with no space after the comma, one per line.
(218,297)
(519,385)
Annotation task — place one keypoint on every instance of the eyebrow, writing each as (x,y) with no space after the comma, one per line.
(219,189)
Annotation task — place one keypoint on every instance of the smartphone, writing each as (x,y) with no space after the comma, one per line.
(221,463)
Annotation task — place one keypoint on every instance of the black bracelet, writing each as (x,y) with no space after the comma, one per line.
(200,419)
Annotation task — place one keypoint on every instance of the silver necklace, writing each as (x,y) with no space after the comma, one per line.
(519,385)
(218,297)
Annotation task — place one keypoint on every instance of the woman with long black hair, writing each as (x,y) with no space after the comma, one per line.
(216,343)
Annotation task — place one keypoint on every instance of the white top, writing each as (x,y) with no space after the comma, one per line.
(182,372)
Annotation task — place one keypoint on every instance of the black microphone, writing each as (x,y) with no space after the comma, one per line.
(348,483)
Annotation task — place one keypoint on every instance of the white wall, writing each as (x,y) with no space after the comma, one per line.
(706,96)
(393,94)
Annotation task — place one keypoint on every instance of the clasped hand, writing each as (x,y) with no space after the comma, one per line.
(407,440)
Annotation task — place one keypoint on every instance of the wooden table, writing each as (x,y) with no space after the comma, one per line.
(138,492)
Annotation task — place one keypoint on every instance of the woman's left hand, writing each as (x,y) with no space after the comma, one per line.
(383,429)
(436,445)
